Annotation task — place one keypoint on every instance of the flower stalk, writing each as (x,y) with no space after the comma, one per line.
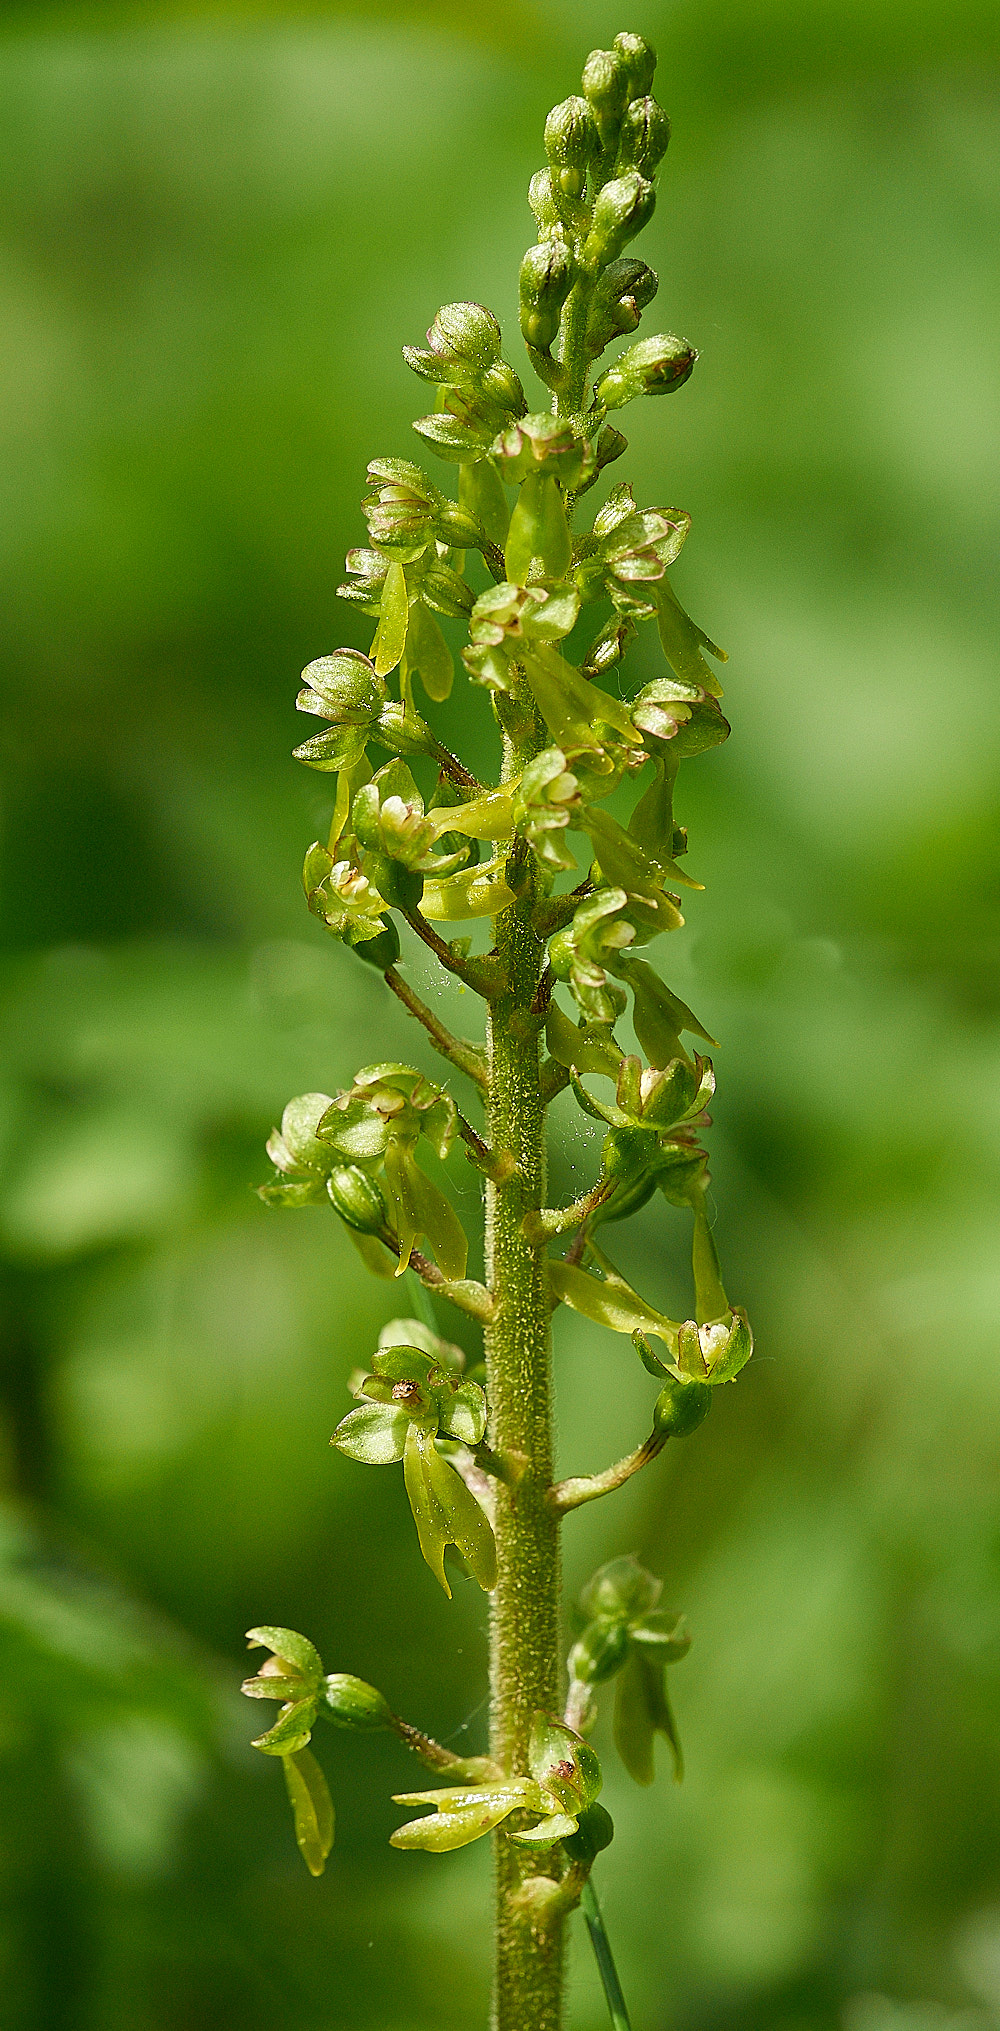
(565,897)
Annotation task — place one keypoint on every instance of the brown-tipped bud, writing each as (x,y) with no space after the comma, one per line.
(639,59)
(546,280)
(467,332)
(645,136)
(623,293)
(621,210)
(652,367)
(571,142)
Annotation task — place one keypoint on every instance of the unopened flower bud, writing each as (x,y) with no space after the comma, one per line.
(467,332)
(350,1703)
(571,142)
(639,59)
(621,210)
(357,1199)
(645,136)
(653,366)
(624,290)
(546,280)
(607,86)
(621,1588)
(343,688)
(541,200)
(680,1408)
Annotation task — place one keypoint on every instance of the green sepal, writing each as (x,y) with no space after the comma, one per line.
(464,1415)
(381,951)
(705,727)
(662,1637)
(338,747)
(296,1146)
(556,1826)
(352,1133)
(683,641)
(401,887)
(612,1303)
(312,1809)
(451,438)
(600,1652)
(287,1644)
(375,1434)
(400,1333)
(404,1361)
(291,1730)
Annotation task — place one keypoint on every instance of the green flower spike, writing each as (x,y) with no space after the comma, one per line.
(574,892)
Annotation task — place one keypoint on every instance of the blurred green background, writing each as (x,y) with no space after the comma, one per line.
(218,226)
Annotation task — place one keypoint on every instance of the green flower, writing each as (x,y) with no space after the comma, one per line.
(565,1780)
(625,1635)
(415,1393)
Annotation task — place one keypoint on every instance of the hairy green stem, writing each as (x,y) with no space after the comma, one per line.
(525,1632)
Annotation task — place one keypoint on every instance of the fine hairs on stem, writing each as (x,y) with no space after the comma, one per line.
(572,895)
